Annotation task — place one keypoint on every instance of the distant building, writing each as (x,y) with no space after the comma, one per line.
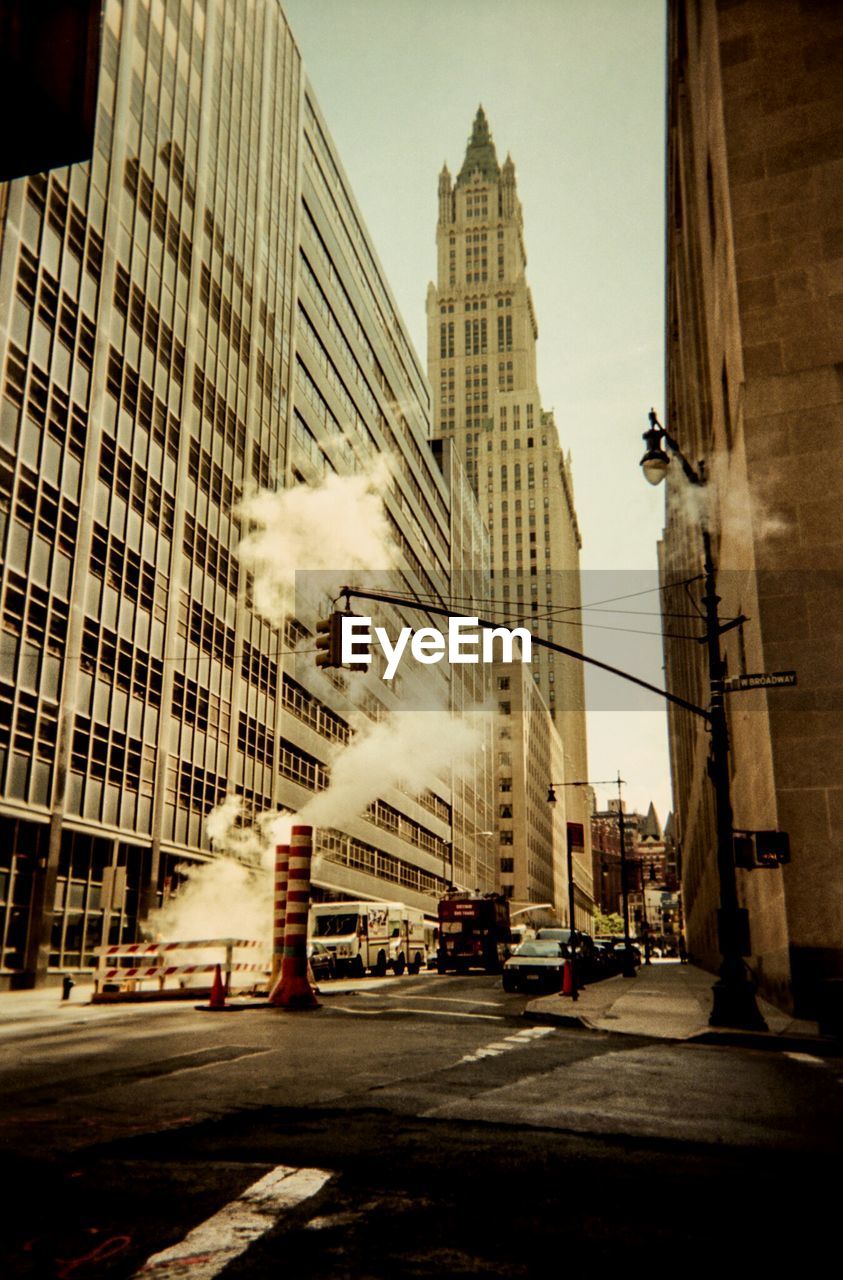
(651,866)
(482,334)
(755,351)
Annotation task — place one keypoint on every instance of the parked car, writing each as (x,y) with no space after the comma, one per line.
(583,944)
(536,964)
(619,951)
(605,962)
(322,962)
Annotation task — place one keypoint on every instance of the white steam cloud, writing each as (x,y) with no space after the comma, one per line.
(338,525)
(720,501)
(410,748)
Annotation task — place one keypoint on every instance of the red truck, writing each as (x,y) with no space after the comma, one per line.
(474,932)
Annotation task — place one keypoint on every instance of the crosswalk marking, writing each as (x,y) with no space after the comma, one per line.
(208,1248)
(496,1047)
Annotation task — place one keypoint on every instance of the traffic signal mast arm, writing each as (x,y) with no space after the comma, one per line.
(382,598)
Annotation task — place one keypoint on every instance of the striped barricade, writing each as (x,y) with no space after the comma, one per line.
(150,963)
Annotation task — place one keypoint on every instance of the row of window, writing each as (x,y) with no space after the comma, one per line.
(125,570)
(125,665)
(133,484)
(206,630)
(145,318)
(108,755)
(211,478)
(350,852)
(40,505)
(208,553)
(151,203)
(65,420)
(197,705)
(64,215)
(31,612)
(221,310)
(255,740)
(218,413)
(35,724)
(126,385)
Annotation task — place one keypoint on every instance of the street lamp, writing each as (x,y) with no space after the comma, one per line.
(628,965)
(734,993)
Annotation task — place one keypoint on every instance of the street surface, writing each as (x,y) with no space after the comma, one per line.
(410,1127)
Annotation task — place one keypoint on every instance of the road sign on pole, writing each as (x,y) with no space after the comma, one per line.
(760,680)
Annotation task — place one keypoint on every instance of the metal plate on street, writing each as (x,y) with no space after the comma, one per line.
(760,680)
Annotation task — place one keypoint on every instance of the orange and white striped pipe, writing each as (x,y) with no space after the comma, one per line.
(279,910)
(293,990)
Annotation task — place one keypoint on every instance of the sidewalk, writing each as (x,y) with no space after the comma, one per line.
(672,1002)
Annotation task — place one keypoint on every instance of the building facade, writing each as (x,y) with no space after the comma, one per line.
(196,311)
(482,335)
(754,344)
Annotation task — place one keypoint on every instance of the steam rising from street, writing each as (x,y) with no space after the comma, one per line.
(338,525)
(342,522)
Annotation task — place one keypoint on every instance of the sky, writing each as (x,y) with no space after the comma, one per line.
(574,91)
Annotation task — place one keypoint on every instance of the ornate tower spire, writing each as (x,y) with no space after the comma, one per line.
(480,153)
(446,204)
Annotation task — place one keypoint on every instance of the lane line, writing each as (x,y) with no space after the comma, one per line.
(495,1048)
(203,1066)
(419,1013)
(486,1004)
(208,1248)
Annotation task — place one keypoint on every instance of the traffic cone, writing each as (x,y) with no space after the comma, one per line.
(567,979)
(217,1000)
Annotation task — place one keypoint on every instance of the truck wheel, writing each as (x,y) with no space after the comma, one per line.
(416,964)
(400,965)
(380,966)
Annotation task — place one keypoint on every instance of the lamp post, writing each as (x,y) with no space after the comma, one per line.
(645,921)
(734,993)
(628,965)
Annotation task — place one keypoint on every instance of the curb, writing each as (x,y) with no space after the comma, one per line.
(828,1046)
(557,1019)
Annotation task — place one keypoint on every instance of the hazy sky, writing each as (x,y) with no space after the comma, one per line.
(574,90)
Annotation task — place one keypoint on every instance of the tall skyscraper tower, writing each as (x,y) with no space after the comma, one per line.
(482,335)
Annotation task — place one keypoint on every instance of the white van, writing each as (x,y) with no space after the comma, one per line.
(370,936)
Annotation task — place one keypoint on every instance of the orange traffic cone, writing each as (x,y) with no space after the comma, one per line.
(567,979)
(217,1000)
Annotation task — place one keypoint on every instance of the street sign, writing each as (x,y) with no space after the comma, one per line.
(760,680)
(576,835)
(760,848)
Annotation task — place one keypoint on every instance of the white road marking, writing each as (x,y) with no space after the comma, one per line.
(422,1013)
(208,1248)
(448,1013)
(805,1057)
(202,1066)
(486,1004)
(379,995)
(519,1040)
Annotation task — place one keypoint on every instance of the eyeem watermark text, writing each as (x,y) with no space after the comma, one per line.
(465,642)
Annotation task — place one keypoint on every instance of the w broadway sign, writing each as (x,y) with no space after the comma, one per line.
(760,680)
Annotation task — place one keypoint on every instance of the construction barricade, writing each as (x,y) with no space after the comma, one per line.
(155,962)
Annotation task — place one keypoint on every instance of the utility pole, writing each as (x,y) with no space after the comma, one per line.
(628,969)
(734,994)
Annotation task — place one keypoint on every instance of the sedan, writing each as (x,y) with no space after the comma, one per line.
(537,964)
(321,960)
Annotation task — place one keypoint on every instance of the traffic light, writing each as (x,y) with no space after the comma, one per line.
(761,849)
(329,641)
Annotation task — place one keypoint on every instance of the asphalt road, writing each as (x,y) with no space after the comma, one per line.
(441,1133)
